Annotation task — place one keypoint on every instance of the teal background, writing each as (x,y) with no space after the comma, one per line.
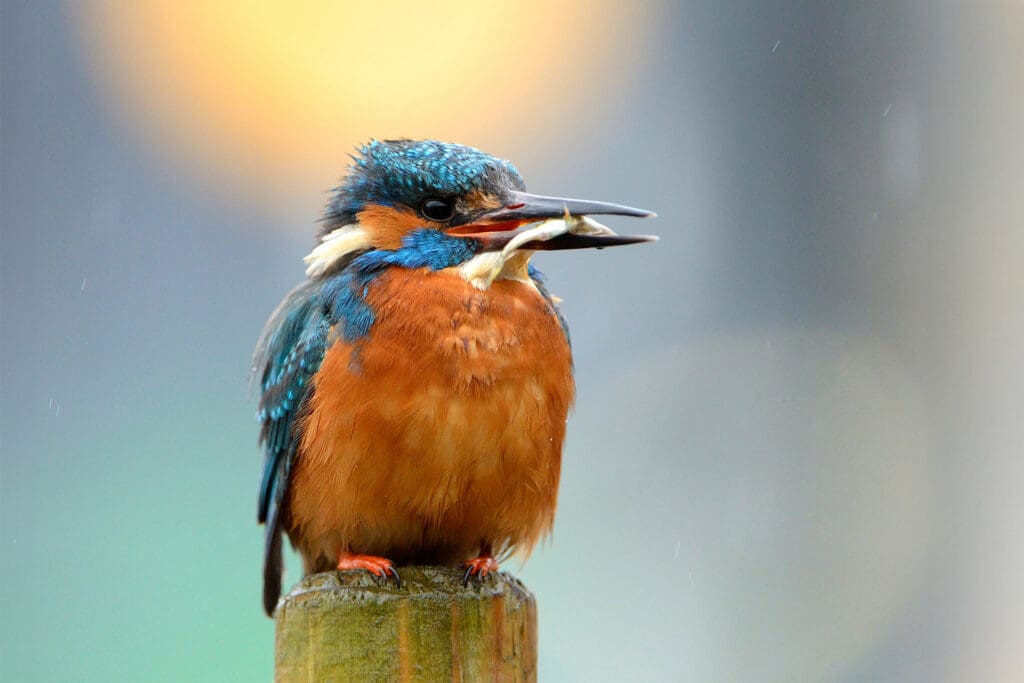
(795,455)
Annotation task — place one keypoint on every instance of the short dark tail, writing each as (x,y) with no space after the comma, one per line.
(272,563)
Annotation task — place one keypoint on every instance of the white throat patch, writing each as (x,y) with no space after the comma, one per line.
(333,246)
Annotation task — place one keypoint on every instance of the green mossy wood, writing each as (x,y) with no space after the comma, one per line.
(344,626)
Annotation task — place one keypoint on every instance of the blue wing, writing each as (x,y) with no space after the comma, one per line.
(288,355)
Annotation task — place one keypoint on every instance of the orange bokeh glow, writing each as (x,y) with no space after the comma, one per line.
(268,94)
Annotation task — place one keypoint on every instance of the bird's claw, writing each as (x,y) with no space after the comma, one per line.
(479,567)
(381,567)
(389,572)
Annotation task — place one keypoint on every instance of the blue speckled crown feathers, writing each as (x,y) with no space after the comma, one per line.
(393,172)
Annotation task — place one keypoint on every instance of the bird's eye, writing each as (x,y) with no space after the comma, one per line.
(438,209)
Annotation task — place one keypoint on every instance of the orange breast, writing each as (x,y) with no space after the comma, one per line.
(439,432)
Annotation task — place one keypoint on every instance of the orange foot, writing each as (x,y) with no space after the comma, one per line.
(378,566)
(479,567)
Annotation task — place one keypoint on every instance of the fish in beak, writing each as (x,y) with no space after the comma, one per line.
(563,224)
(528,223)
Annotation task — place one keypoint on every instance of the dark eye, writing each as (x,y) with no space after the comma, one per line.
(438,209)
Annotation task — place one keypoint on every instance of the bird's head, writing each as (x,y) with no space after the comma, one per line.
(429,204)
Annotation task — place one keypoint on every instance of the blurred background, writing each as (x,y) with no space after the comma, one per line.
(796,452)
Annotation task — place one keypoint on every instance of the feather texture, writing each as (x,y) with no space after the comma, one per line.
(411,408)
(479,381)
(438,433)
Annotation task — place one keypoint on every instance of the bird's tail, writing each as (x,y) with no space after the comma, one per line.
(272,562)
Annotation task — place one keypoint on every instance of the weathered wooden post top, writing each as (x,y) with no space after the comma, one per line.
(348,626)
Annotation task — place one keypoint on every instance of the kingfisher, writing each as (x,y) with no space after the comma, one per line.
(414,389)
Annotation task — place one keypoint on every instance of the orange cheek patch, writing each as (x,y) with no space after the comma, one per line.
(386,226)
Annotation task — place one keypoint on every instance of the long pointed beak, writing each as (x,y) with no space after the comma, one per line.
(528,208)
(498,227)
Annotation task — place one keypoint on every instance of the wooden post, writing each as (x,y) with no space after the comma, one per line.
(344,626)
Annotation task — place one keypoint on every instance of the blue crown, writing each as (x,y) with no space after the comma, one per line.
(404,172)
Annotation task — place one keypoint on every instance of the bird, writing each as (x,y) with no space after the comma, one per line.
(414,389)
